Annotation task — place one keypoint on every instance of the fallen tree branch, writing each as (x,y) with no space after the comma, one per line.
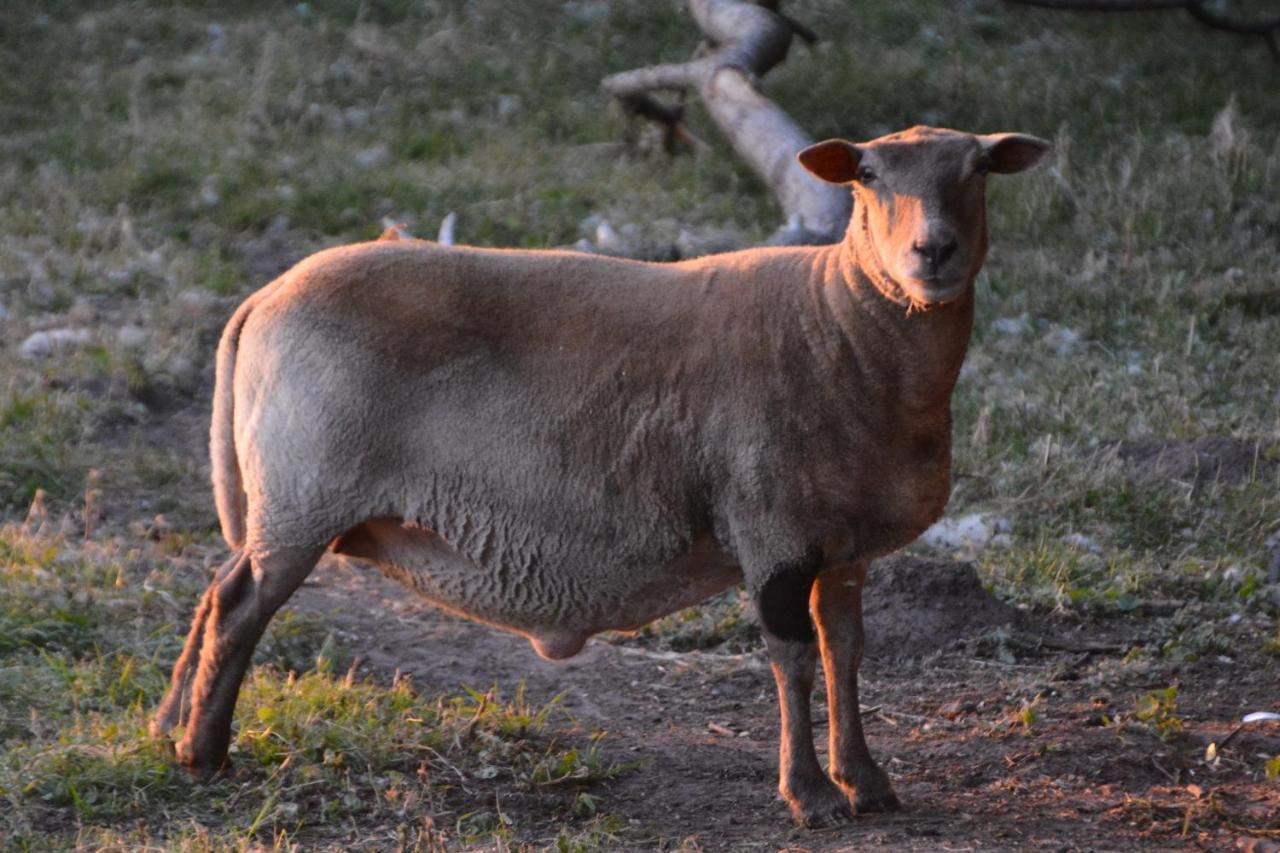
(743,42)
(1266,28)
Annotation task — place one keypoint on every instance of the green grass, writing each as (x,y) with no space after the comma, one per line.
(87,633)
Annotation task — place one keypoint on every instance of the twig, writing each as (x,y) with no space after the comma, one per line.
(1067,646)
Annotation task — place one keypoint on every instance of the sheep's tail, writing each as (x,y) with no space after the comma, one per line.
(228,487)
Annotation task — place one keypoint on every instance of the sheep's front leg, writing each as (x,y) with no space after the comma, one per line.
(837,604)
(783,604)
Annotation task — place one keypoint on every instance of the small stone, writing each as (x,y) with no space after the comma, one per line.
(607,238)
(44,344)
(367,158)
(209,195)
(4,313)
(36,346)
(132,337)
(181,370)
(355,118)
(1083,542)
(508,107)
(1062,340)
(972,531)
(1019,325)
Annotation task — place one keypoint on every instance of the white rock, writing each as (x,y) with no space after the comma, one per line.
(606,237)
(973,531)
(448,228)
(209,195)
(367,158)
(508,107)
(1019,325)
(132,337)
(36,346)
(1062,340)
(355,117)
(181,370)
(44,344)
(587,11)
(1083,542)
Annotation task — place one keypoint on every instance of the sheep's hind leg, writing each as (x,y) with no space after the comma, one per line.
(783,604)
(234,612)
(837,604)
(174,708)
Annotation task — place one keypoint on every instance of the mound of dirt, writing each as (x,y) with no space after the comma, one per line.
(1209,459)
(914,606)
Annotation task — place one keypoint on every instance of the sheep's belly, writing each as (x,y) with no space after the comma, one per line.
(557,609)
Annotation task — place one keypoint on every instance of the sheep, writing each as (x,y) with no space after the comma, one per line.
(559,444)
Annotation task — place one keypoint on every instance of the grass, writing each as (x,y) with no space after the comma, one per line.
(161,159)
(86,634)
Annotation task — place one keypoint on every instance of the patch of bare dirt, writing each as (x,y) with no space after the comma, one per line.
(1229,461)
(984,754)
(915,606)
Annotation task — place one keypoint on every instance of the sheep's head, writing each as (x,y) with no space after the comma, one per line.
(920,202)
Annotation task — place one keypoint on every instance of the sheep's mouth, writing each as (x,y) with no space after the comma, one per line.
(937,289)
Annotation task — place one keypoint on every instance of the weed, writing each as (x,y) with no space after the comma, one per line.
(1159,710)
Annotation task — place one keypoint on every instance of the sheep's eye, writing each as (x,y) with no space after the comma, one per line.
(983,166)
(865,175)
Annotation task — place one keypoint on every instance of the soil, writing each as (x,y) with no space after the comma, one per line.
(1209,459)
(974,768)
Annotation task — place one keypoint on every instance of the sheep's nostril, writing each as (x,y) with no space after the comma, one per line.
(935,254)
(944,254)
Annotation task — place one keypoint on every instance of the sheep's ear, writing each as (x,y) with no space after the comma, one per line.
(834,160)
(1009,153)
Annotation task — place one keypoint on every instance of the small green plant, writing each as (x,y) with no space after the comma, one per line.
(1159,710)
(1031,713)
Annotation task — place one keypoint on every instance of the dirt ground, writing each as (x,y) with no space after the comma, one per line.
(973,767)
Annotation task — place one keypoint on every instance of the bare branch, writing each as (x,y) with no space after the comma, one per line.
(1266,29)
(743,42)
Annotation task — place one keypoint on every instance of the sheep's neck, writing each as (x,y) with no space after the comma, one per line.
(912,357)
(860,252)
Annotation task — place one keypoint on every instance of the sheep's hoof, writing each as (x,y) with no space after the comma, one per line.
(869,790)
(819,806)
(204,771)
(872,802)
